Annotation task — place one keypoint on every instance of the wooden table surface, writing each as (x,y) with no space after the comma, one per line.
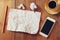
(55,34)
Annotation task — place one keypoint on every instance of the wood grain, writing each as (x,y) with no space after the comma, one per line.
(3,4)
(55,34)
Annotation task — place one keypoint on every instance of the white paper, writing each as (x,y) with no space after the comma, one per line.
(23,21)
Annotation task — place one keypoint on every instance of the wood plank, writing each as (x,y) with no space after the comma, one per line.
(41,8)
(19,36)
(3,4)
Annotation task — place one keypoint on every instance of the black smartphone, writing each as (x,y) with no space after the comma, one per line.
(47,27)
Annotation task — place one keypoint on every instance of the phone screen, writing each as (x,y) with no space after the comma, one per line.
(47,27)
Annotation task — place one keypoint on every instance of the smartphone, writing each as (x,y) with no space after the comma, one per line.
(47,27)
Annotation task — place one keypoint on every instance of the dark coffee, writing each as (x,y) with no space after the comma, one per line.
(52,4)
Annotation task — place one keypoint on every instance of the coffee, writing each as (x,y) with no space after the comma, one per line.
(52,4)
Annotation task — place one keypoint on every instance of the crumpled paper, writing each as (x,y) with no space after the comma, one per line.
(23,21)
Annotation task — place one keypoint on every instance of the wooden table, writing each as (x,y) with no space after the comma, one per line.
(55,34)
